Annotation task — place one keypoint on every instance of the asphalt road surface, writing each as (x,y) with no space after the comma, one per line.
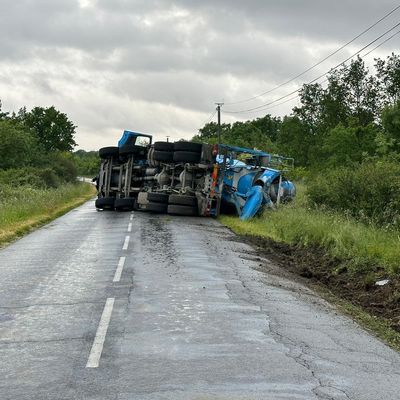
(104,305)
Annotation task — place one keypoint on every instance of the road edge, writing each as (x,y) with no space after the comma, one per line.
(40,220)
(377,326)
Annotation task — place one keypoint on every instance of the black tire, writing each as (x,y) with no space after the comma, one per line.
(182,210)
(107,152)
(129,149)
(188,146)
(157,207)
(157,197)
(186,157)
(166,156)
(182,200)
(163,146)
(126,203)
(105,203)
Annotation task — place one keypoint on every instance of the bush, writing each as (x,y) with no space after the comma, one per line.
(39,178)
(298,174)
(370,192)
(17,146)
(87,162)
(63,166)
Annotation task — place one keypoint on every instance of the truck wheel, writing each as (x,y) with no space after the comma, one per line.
(105,203)
(157,207)
(107,152)
(166,156)
(182,210)
(163,146)
(157,197)
(186,157)
(129,149)
(182,200)
(126,203)
(188,146)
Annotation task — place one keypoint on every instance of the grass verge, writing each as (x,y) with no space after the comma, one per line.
(24,208)
(338,255)
(343,237)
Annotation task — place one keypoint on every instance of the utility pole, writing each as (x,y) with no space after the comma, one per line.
(219,121)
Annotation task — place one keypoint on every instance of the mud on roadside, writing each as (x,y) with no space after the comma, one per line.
(317,267)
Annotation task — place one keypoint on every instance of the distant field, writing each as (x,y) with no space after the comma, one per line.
(23,208)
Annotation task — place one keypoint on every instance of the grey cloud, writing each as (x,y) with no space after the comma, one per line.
(159,65)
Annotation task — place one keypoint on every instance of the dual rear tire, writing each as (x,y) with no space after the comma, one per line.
(182,205)
(179,152)
(105,203)
(158,202)
(187,152)
(125,204)
(172,204)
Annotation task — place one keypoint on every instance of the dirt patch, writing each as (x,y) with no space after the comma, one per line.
(316,266)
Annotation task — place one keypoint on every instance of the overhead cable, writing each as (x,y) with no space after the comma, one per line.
(318,63)
(317,78)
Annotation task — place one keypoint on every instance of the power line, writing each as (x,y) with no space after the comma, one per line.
(379,45)
(318,63)
(210,117)
(326,80)
(319,77)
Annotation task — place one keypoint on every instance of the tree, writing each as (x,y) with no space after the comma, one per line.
(209,132)
(388,73)
(18,148)
(363,97)
(3,115)
(295,139)
(334,107)
(391,124)
(244,134)
(87,162)
(268,125)
(347,145)
(310,111)
(52,128)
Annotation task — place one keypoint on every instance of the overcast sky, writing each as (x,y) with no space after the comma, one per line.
(158,66)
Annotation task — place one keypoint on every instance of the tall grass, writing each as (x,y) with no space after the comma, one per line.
(362,245)
(23,207)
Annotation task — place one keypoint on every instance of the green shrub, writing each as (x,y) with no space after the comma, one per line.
(39,178)
(63,166)
(298,174)
(362,246)
(370,192)
(18,147)
(49,178)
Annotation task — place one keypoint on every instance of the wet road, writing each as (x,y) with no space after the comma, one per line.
(100,305)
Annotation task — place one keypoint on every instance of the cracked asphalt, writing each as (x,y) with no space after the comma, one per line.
(191,318)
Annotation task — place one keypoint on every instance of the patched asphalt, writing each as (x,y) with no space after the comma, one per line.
(192,318)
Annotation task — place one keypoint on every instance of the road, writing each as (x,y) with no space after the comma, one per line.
(102,305)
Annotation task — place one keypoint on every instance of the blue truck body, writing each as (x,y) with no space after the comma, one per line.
(214,179)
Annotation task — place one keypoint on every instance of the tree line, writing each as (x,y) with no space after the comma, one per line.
(36,148)
(354,117)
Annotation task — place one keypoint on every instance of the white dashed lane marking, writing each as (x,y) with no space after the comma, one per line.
(98,343)
(126,243)
(119,269)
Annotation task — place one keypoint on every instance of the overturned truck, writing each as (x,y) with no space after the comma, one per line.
(187,178)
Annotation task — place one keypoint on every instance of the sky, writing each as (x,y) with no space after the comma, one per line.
(159,66)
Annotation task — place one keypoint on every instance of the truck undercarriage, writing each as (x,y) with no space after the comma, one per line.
(187,178)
